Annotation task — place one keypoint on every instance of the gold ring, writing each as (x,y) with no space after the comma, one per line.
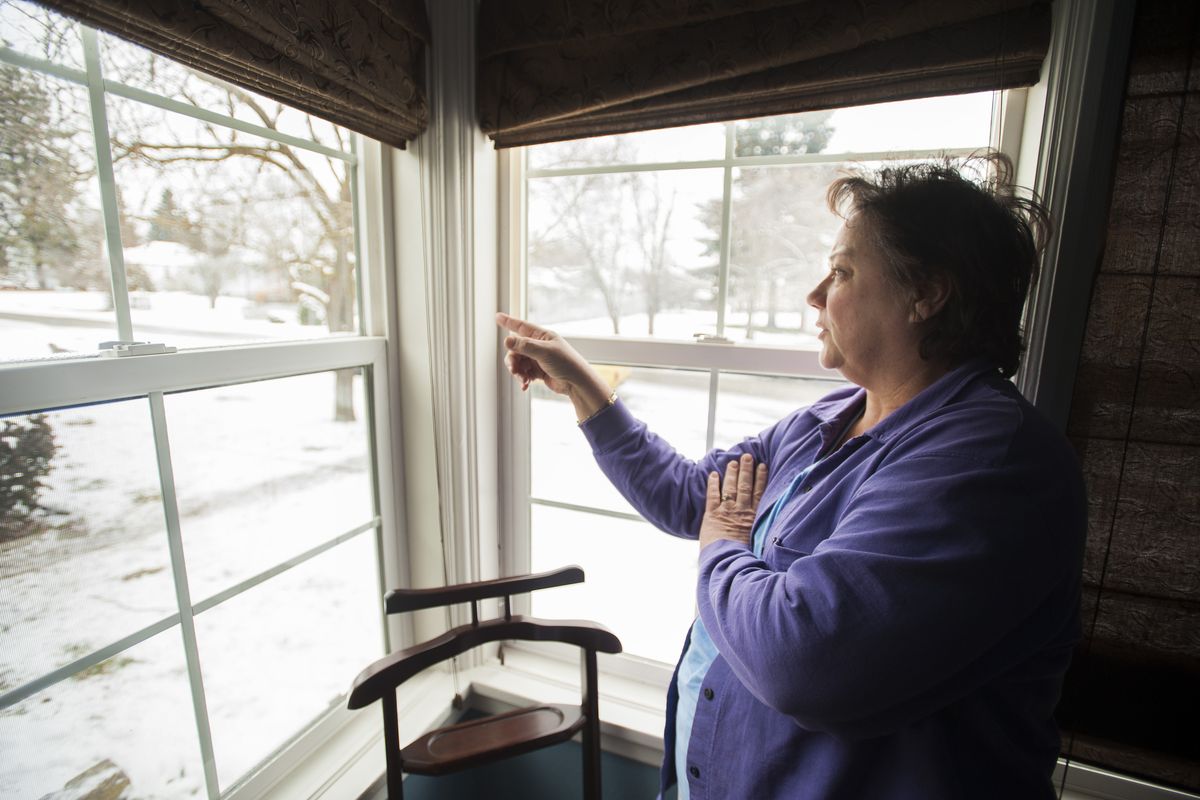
(726,497)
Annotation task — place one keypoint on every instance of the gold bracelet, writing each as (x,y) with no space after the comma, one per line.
(612,398)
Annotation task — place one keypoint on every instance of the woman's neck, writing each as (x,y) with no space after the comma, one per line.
(885,397)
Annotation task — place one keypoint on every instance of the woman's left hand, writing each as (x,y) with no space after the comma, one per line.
(729,507)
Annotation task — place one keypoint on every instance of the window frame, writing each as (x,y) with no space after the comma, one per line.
(711,354)
(336,739)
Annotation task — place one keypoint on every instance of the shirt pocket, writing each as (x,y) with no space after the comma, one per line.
(780,556)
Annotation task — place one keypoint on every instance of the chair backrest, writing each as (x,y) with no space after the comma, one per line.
(389,672)
(515,732)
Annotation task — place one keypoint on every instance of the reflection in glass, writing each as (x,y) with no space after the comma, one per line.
(34,31)
(133,65)
(128,719)
(625,253)
(674,403)
(55,293)
(284,652)
(692,143)
(782,232)
(641,582)
(229,237)
(83,544)
(266,470)
(749,404)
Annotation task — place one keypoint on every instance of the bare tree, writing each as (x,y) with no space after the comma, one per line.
(652,222)
(323,272)
(609,232)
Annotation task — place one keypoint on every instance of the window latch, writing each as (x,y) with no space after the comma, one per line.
(123,349)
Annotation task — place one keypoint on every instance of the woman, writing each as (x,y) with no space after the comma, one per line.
(889,579)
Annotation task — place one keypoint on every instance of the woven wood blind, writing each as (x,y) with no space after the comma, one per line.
(357,63)
(1132,696)
(550,70)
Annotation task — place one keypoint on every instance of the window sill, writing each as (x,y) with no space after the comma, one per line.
(343,755)
(632,712)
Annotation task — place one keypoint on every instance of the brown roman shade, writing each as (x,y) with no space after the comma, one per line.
(358,63)
(552,70)
(1131,701)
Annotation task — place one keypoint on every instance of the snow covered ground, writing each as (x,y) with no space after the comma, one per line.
(263,474)
(34,324)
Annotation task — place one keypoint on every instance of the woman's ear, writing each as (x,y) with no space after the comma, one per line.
(930,301)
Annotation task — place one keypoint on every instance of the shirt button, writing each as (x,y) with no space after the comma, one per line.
(694,771)
(708,693)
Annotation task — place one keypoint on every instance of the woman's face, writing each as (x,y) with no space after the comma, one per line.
(865,320)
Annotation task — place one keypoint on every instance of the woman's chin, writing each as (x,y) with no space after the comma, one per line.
(828,359)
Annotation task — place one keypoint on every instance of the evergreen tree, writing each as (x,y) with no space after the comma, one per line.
(38,183)
(169,223)
(26,448)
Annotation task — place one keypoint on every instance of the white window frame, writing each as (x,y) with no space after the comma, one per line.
(338,743)
(713,356)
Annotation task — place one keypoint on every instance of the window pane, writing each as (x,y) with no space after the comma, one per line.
(55,293)
(626,253)
(83,560)
(266,470)
(934,123)
(42,34)
(692,143)
(128,718)
(284,652)
(781,236)
(674,403)
(641,582)
(749,404)
(229,237)
(136,66)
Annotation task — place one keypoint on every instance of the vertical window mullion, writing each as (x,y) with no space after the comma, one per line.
(356,222)
(183,595)
(108,185)
(714,381)
(726,227)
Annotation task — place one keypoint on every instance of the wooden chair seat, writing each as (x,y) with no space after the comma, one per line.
(479,741)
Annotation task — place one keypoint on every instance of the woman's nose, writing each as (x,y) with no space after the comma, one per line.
(816,298)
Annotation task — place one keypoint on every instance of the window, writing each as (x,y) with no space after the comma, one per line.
(191,536)
(680,260)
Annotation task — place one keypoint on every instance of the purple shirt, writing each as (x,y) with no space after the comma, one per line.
(905,632)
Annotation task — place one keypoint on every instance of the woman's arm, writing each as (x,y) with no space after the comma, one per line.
(535,353)
(665,487)
(942,573)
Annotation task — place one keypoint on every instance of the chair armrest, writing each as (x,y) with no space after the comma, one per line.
(392,670)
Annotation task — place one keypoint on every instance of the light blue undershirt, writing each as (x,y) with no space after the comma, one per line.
(702,652)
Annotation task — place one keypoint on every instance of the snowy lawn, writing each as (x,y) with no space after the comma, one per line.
(263,474)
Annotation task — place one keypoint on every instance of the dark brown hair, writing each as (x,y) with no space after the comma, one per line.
(935,226)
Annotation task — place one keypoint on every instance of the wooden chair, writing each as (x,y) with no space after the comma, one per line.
(480,741)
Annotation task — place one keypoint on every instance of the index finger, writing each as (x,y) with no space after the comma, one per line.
(712,492)
(519,326)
